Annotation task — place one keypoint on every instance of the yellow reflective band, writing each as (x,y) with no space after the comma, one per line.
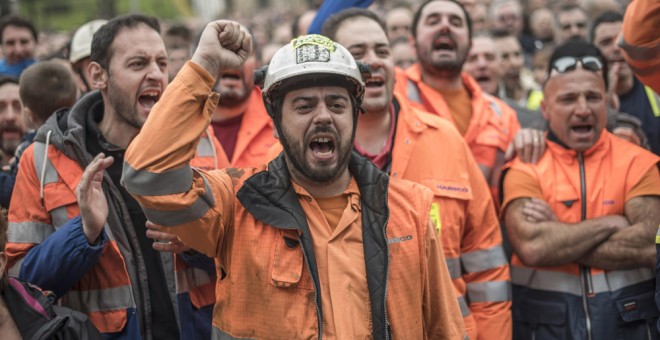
(314,39)
(435,217)
(657,240)
(653,100)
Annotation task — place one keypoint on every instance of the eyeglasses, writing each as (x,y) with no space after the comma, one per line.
(567,64)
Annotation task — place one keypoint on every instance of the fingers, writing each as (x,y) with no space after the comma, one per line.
(96,166)
(162,236)
(538,145)
(166,247)
(537,210)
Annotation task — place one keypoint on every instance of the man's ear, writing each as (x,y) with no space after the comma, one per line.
(544,110)
(98,76)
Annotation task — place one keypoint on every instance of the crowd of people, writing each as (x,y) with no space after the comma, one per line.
(448,169)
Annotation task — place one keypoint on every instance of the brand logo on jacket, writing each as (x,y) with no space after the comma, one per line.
(609,202)
(400,239)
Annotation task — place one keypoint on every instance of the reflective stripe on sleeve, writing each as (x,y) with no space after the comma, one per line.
(454,267)
(570,284)
(639,53)
(465,309)
(97,300)
(50,173)
(194,277)
(147,183)
(28,232)
(15,270)
(197,210)
(480,260)
(657,236)
(489,291)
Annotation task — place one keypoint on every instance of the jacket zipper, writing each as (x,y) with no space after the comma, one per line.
(585,271)
(387,263)
(316,291)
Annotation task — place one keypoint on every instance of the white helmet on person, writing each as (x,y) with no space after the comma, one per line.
(81,43)
(311,60)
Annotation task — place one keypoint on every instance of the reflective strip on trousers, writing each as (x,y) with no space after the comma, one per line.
(465,310)
(28,232)
(98,300)
(489,291)
(147,183)
(454,267)
(480,260)
(570,284)
(197,210)
(191,276)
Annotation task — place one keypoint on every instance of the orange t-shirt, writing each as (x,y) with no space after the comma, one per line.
(518,184)
(460,107)
(339,254)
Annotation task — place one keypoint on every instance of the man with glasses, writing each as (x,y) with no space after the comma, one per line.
(580,220)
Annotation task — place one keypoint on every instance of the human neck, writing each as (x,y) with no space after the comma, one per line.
(513,89)
(223,113)
(115,130)
(373,130)
(441,80)
(624,85)
(8,327)
(316,189)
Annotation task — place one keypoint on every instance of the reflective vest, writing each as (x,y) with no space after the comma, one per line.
(584,302)
(105,292)
(492,127)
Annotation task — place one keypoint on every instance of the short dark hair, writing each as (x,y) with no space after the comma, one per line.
(571,7)
(103,38)
(331,26)
(4,80)
(47,86)
(418,16)
(177,34)
(501,34)
(605,18)
(578,48)
(17,21)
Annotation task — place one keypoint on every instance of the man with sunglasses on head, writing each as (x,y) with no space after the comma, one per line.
(580,220)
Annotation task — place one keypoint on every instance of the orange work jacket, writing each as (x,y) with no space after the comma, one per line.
(254,223)
(640,39)
(492,127)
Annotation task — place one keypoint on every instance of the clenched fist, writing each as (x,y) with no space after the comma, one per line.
(224,45)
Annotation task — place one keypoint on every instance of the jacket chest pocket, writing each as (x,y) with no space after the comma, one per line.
(289,269)
(57,197)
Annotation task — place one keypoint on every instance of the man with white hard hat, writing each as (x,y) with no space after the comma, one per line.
(81,49)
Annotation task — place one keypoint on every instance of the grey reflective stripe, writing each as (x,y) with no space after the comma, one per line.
(59,216)
(28,232)
(465,309)
(191,277)
(220,335)
(50,175)
(454,266)
(489,291)
(15,270)
(147,183)
(205,147)
(485,170)
(97,300)
(413,92)
(639,53)
(480,260)
(570,284)
(493,105)
(197,210)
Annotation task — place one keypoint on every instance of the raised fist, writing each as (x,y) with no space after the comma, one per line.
(224,45)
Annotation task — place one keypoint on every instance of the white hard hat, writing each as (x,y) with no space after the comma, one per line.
(81,44)
(312,59)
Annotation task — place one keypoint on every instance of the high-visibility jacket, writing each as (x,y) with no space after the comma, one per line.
(492,127)
(254,222)
(465,217)
(45,199)
(573,301)
(255,136)
(640,41)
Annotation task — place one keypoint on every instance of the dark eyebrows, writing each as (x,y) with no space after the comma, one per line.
(331,97)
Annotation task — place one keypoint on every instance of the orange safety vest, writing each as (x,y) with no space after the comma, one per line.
(45,199)
(611,168)
(464,215)
(492,127)
(255,136)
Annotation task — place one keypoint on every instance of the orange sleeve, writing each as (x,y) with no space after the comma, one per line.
(640,40)
(518,184)
(648,185)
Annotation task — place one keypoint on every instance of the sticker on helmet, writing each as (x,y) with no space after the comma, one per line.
(312,53)
(314,39)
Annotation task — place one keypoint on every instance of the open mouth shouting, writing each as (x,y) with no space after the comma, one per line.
(444,43)
(582,130)
(148,98)
(322,146)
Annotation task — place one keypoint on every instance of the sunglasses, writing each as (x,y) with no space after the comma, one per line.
(567,64)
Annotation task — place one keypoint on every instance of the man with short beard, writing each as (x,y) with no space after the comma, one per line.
(240,121)
(12,126)
(442,31)
(106,266)
(320,243)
